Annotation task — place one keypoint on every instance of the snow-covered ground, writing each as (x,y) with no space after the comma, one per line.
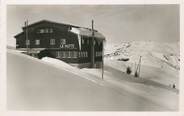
(50,84)
(160,61)
(153,86)
(153,54)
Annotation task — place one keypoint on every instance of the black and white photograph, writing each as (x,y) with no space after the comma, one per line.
(93,57)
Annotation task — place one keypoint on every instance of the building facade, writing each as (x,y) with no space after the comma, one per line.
(71,44)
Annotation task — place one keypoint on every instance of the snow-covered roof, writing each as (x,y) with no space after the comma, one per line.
(87,32)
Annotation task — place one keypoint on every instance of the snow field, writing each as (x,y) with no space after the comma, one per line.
(50,84)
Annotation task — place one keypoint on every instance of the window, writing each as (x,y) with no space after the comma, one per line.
(51,30)
(64,54)
(41,31)
(63,41)
(57,54)
(74,54)
(45,30)
(37,42)
(94,42)
(79,54)
(98,54)
(52,41)
(82,41)
(83,54)
(88,41)
(99,43)
(27,42)
(69,54)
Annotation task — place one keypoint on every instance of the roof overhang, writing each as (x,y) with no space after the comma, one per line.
(87,32)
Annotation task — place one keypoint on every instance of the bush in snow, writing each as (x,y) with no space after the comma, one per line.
(128,70)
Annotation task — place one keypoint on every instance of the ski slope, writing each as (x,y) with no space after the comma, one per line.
(49,84)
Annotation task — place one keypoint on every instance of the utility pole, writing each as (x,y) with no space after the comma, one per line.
(92,47)
(26,34)
(138,69)
(140,66)
(102,59)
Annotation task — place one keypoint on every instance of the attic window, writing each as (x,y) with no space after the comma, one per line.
(41,31)
(45,30)
(51,30)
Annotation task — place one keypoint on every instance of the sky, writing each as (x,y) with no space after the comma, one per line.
(118,23)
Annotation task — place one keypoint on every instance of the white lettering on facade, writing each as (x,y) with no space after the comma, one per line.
(67,46)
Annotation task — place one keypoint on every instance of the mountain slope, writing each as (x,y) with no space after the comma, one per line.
(160,61)
(153,53)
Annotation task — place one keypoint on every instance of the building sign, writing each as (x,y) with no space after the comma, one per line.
(70,46)
(67,46)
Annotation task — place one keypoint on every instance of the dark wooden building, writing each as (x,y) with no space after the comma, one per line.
(69,43)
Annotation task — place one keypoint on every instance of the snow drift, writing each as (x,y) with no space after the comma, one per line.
(48,84)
